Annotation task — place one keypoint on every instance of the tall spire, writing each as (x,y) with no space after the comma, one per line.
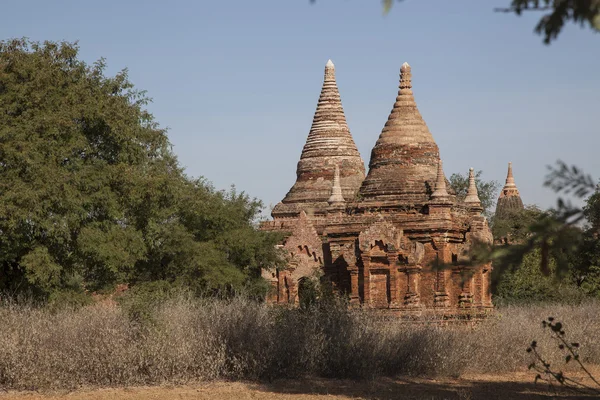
(336,190)
(440,183)
(510,198)
(472,197)
(403,163)
(329,144)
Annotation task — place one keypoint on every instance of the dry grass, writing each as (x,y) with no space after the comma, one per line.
(189,341)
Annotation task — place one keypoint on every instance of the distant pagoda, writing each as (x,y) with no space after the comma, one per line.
(510,200)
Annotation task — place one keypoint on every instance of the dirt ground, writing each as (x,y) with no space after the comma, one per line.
(507,386)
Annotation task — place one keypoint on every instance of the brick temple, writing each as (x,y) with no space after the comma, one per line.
(377,236)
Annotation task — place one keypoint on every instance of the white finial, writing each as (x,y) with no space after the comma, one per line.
(330,64)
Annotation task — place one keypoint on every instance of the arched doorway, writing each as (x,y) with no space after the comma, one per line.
(308,292)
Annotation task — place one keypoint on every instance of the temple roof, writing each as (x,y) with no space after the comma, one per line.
(510,199)
(329,143)
(404,161)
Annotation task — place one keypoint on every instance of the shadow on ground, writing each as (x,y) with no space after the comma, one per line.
(388,389)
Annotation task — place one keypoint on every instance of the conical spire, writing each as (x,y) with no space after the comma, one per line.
(440,183)
(336,190)
(472,197)
(403,164)
(510,198)
(329,143)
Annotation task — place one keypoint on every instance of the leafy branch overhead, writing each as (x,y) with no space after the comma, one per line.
(556,13)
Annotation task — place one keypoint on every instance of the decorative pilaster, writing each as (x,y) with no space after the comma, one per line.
(486,285)
(394,289)
(441,295)
(366,280)
(465,299)
(478,290)
(354,297)
(412,297)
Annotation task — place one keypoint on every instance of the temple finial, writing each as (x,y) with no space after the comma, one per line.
(510,179)
(472,197)
(330,72)
(440,184)
(336,190)
(405,79)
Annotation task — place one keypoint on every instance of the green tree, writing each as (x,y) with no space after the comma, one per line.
(526,283)
(487,190)
(91,194)
(586,262)
(515,225)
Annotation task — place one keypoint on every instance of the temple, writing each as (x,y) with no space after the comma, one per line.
(380,239)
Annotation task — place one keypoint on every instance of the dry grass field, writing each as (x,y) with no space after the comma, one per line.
(239,349)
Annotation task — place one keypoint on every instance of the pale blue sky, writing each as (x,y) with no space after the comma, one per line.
(237,82)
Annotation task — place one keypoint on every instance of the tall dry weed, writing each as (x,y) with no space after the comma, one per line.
(189,340)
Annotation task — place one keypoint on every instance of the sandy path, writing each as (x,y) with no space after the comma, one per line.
(506,386)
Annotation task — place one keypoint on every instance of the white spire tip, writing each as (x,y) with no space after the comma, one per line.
(329,64)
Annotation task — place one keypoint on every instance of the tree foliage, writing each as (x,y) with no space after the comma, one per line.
(556,14)
(514,225)
(487,190)
(91,194)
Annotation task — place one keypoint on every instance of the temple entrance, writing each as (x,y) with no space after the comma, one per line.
(308,292)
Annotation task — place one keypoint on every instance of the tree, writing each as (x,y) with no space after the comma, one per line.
(487,190)
(91,194)
(586,262)
(515,225)
(526,283)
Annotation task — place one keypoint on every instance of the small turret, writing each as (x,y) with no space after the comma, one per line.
(440,191)
(472,198)
(336,190)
